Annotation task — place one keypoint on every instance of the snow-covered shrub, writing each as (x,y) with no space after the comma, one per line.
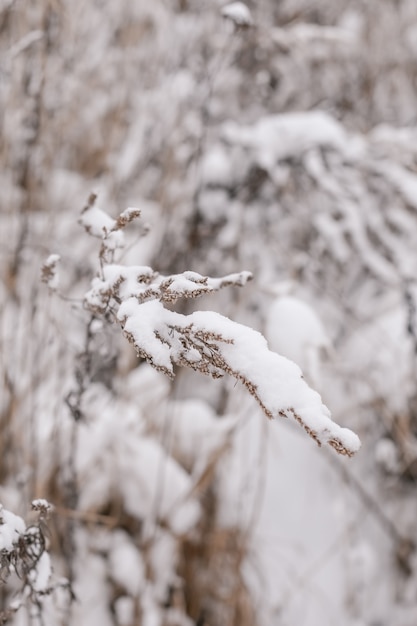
(23,554)
(155,499)
(207,342)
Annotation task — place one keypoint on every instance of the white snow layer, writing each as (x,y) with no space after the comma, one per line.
(40,504)
(96,222)
(143,283)
(11,527)
(238,12)
(294,330)
(278,137)
(50,274)
(216,167)
(126,564)
(41,574)
(116,454)
(275,381)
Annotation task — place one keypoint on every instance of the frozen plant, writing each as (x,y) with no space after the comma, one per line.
(207,342)
(23,553)
(238,13)
(49,272)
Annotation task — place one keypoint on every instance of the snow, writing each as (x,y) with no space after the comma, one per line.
(294,330)
(11,528)
(143,283)
(197,433)
(52,259)
(372,351)
(117,454)
(297,541)
(162,558)
(114,240)
(278,137)
(142,324)
(334,211)
(149,387)
(90,586)
(40,504)
(158,486)
(129,214)
(216,168)
(386,455)
(126,564)
(41,574)
(403,179)
(50,274)
(275,381)
(97,222)
(124,608)
(393,140)
(238,13)
(152,612)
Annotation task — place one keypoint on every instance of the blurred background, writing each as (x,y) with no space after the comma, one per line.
(277,137)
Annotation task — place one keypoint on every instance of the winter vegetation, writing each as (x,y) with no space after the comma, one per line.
(208,265)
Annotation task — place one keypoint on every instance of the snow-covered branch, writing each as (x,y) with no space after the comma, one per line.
(207,342)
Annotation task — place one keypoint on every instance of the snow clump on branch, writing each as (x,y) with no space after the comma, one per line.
(238,13)
(205,341)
